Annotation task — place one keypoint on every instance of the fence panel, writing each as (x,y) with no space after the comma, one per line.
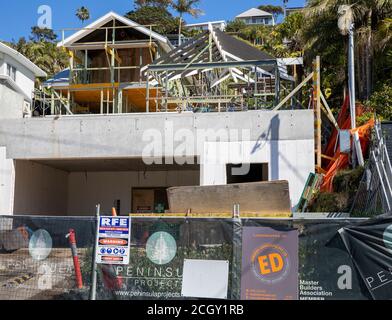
(36,261)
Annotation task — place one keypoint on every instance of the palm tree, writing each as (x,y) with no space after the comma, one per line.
(83,14)
(185,7)
(367,15)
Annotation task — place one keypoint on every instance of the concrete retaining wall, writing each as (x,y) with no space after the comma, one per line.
(128,135)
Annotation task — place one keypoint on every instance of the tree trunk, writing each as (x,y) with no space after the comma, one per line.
(179,30)
(369,57)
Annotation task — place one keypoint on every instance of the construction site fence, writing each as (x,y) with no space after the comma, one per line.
(374,195)
(37,263)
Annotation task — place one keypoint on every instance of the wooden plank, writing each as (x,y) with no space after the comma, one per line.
(292,93)
(265,199)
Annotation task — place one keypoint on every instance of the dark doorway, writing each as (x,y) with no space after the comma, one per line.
(257,172)
(149,200)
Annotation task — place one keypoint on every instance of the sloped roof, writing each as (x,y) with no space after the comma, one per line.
(38,72)
(107,18)
(224,48)
(254,12)
(191,49)
(223,45)
(61,78)
(239,48)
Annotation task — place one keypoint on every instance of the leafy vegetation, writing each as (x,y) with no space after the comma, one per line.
(345,185)
(381,100)
(43,52)
(83,14)
(159,17)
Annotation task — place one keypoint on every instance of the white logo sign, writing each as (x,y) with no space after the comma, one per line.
(45,20)
(40,245)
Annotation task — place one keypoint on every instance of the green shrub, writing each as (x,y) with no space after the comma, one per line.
(348,180)
(329,202)
(381,101)
(345,186)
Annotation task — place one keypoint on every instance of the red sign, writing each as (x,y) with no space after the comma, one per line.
(112,258)
(113,242)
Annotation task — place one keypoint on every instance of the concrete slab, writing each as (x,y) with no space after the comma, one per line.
(266,199)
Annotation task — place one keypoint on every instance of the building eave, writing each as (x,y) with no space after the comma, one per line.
(15,86)
(38,72)
(105,19)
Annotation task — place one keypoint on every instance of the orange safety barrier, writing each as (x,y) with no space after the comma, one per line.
(342,159)
(72,242)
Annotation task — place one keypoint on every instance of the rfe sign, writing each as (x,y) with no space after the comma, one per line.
(113,240)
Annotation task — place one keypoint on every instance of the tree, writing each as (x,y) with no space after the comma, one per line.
(381,100)
(368,16)
(185,7)
(42,34)
(159,17)
(83,14)
(152,3)
(276,11)
(235,26)
(44,54)
(289,34)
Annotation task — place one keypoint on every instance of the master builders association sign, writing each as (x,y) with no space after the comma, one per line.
(269,264)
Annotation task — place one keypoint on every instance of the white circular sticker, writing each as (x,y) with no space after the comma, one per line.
(40,245)
(388,238)
(161,248)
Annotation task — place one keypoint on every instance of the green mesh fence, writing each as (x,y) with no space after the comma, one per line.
(36,261)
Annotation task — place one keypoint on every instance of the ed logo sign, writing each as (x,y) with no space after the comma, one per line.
(270,263)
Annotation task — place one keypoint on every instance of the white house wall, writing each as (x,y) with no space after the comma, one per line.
(11,103)
(7,183)
(86,190)
(290,160)
(24,77)
(40,190)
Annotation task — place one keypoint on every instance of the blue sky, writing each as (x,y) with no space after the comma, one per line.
(19,16)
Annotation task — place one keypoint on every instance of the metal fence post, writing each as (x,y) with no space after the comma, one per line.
(93,293)
(237,257)
(381,180)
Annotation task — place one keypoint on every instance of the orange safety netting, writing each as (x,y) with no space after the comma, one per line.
(341,160)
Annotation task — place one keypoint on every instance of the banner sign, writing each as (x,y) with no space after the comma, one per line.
(370,246)
(269,264)
(113,240)
(326,271)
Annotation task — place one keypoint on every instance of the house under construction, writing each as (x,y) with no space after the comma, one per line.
(118,66)
(105,63)
(212,105)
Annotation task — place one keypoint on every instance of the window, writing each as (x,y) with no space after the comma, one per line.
(11,72)
(257,172)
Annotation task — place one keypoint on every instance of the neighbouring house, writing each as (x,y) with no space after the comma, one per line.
(17,81)
(256,16)
(293,10)
(173,38)
(201,26)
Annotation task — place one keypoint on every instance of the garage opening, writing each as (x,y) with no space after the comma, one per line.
(75,187)
(239,173)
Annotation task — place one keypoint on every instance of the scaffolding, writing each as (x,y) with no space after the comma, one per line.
(213,86)
(113,71)
(105,65)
